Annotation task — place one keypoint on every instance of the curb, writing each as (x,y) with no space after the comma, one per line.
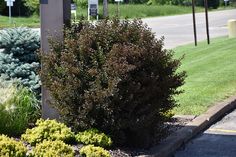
(179,138)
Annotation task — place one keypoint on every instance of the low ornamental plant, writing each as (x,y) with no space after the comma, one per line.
(93,136)
(53,149)
(19,108)
(113,75)
(11,148)
(93,151)
(48,130)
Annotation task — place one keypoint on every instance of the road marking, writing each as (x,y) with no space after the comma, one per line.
(223,130)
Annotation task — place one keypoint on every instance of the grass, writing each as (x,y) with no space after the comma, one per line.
(18,107)
(19,21)
(211,74)
(142,10)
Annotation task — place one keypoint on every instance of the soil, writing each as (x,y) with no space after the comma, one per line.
(177,122)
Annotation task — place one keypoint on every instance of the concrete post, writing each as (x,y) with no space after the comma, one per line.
(54,14)
(232,28)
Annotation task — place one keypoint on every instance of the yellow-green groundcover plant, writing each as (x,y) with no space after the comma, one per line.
(93,151)
(11,148)
(53,149)
(48,130)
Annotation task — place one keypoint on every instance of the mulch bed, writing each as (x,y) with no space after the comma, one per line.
(176,123)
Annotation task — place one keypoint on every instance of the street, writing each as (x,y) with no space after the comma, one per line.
(178,30)
(217,141)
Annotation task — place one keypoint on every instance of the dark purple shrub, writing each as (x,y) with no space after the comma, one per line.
(115,76)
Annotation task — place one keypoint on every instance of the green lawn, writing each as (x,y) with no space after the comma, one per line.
(19,21)
(142,10)
(211,71)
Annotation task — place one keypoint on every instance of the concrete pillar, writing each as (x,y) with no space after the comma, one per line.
(232,28)
(53,14)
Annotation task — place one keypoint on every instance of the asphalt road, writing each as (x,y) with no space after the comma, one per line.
(178,30)
(218,141)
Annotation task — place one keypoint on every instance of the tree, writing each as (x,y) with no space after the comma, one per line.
(33,5)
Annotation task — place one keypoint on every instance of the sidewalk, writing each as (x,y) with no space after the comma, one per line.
(217,141)
(179,139)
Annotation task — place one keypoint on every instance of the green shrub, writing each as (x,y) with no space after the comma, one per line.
(118,79)
(53,149)
(92,151)
(48,130)
(19,59)
(18,108)
(93,136)
(11,148)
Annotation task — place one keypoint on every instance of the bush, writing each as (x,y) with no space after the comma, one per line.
(19,59)
(18,108)
(92,151)
(48,130)
(11,148)
(93,136)
(53,149)
(118,79)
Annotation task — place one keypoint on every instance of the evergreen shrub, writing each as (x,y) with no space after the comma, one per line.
(52,149)
(48,130)
(93,136)
(92,151)
(113,75)
(11,148)
(18,108)
(19,59)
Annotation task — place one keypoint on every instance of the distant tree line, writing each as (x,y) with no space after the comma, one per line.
(20,8)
